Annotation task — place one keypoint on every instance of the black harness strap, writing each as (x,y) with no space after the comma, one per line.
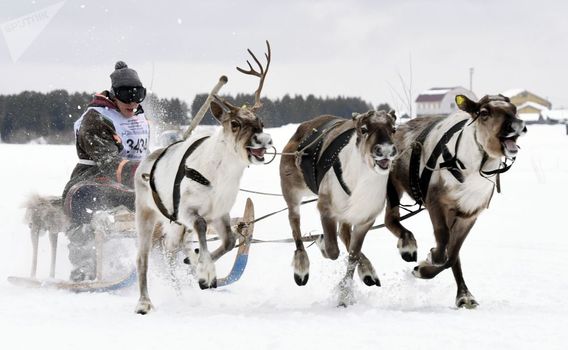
(330,158)
(310,148)
(196,176)
(339,174)
(419,183)
(452,163)
(155,194)
(181,173)
(503,167)
(414,166)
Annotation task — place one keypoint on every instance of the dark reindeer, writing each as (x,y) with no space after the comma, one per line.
(448,164)
(350,197)
(211,168)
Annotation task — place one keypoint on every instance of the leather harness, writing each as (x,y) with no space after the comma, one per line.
(315,162)
(419,183)
(182,172)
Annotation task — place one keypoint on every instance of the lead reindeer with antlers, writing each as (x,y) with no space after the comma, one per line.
(194,183)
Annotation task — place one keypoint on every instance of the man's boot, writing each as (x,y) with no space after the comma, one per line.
(82,253)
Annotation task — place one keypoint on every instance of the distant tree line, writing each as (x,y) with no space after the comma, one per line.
(32,115)
(287,110)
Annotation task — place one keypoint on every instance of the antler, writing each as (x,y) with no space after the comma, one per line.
(261,74)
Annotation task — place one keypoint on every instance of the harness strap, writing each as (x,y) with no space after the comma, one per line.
(503,167)
(181,173)
(339,174)
(414,166)
(452,163)
(419,183)
(330,158)
(309,149)
(155,195)
(196,176)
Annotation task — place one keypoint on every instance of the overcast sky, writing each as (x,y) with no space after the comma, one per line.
(328,48)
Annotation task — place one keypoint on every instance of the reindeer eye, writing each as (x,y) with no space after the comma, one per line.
(235,125)
(484,114)
(364,129)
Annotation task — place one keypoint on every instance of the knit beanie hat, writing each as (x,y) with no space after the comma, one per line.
(124,76)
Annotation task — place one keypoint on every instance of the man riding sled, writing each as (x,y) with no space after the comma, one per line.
(111,139)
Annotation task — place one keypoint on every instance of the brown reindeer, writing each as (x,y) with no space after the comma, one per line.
(351,195)
(448,164)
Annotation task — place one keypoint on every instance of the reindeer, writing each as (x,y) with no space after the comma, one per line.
(204,173)
(454,188)
(360,150)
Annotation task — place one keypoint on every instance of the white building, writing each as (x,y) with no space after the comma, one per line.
(440,101)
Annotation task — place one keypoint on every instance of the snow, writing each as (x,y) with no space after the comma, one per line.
(512,92)
(514,262)
(534,105)
(436,91)
(556,114)
(533,117)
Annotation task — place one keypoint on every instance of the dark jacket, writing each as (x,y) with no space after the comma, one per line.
(97,141)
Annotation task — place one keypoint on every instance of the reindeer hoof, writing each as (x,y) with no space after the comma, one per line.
(143,307)
(409,257)
(203,284)
(416,272)
(370,281)
(466,301)
(433,258)
(301,281)
(407,249)
(301,265)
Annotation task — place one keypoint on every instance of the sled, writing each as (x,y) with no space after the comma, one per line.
(77,287)
(119,221)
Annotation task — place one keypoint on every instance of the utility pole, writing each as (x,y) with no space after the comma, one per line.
(471,79)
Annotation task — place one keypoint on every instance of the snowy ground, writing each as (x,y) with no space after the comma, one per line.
(514,262)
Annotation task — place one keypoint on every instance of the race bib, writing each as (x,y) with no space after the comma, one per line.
(133,132)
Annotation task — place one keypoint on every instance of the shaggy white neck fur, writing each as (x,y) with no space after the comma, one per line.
(368,188)
(218,160)
(475,191)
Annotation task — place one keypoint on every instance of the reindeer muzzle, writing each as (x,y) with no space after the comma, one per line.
(510,135)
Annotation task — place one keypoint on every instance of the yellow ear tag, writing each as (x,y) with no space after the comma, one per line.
(460,100)
(244,106)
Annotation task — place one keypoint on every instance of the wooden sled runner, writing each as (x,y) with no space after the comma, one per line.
(244,232)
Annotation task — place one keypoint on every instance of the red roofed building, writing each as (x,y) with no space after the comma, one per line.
(440,101)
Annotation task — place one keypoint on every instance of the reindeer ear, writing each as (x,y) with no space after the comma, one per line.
(392,114)
(505,98)
(354,115)
(466,105)
(217,110)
